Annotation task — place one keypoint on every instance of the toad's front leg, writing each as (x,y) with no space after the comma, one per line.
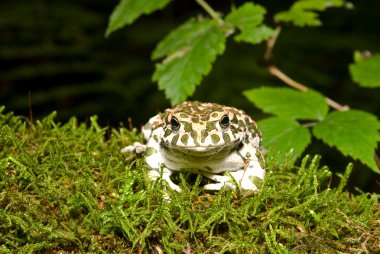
(156,164)
(221,182)
(252,176)
(248,178)
(154,174)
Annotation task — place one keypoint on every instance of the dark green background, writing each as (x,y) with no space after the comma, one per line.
(53,55)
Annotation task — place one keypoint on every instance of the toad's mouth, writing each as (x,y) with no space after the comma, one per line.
(201,150)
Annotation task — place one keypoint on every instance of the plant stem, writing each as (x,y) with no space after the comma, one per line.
(210,11)
(286,79)
(270,44)
(290,82)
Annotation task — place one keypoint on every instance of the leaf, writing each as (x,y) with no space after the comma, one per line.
(289,103)
(366,72)
(249,18)
(282,134)
(302,13)
(188,59)
(299,17)
(318,5)
(255,36)
(354,133)
(247,15)
(127,11)
(181,37)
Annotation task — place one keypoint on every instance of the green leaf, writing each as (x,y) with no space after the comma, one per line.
(360,56)
(289,103)
(127,11)
(247,15)
(299,17)
(189,59)
(366,72)
(318,5)
(354,133)
(182,37)
(249,18)
(281,134)
(255,36)
(302,13)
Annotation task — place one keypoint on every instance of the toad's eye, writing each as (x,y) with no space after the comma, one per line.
(224,121)
(175,123)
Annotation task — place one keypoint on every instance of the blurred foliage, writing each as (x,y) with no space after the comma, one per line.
(57,52)
(56,57)
(365,71)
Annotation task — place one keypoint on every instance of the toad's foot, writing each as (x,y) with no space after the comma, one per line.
(246,180)
(154,175)
(222,181)
(136,147)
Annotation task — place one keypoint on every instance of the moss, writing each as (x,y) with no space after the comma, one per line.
(66,187)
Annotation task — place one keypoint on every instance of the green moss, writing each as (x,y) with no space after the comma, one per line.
(66,187)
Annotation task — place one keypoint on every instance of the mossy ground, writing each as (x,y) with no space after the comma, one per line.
(67,188)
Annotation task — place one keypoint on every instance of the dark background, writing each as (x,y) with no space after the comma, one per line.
(54,56)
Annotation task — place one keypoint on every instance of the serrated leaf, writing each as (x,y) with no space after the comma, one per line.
(289,103)
(248,14)
(128,11)
(249,18)
(318,5)
(181,71)
(302,13)
(280,135)
(181,37)
(299,17)
(354,133)
(256,35)
(366,72)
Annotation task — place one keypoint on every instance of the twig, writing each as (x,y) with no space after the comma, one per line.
(377,160)
(246,195)
(282,76)
(336,105)
(210,11)
(290,82)
(270,44)
(286,79)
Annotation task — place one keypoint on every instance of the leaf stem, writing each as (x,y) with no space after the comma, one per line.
(290,82)
(282,76)
(210,11)
(270,44)
(286,79)
(311,124)
(377,160)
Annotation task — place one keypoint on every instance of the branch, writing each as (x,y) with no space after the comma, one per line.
(292,83)
(282,76)
(286,79)
(270,44)
(377,160)
(210,11)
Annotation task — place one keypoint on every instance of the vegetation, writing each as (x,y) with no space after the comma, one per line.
(66,187)
(189,51)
